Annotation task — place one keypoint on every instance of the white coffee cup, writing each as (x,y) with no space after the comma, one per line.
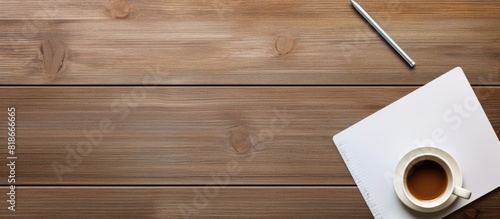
(449,178)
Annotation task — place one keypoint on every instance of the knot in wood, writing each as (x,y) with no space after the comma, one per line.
(240,140)
(471,213)
(119,8)
(53,53)
(284,44)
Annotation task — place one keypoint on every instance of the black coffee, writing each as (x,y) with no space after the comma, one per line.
(427,180)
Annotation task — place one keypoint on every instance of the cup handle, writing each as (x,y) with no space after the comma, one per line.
(461,192)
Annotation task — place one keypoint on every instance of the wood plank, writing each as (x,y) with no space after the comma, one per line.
(249,42)
(154,9)
(164,202)
(207,202)
(191,135)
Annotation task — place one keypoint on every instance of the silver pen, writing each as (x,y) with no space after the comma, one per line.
(383,33)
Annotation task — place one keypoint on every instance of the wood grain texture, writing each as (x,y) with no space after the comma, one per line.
(192,135)
(248,42)
(220,202)
(168,202)
(130,151)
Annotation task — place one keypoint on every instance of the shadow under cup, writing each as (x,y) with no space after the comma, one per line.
(428,181)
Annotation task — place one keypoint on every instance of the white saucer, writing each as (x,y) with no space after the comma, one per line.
(397,179)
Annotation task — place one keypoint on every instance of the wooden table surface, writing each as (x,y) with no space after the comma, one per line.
(218,108)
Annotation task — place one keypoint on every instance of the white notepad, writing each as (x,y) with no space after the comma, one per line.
(444,113)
